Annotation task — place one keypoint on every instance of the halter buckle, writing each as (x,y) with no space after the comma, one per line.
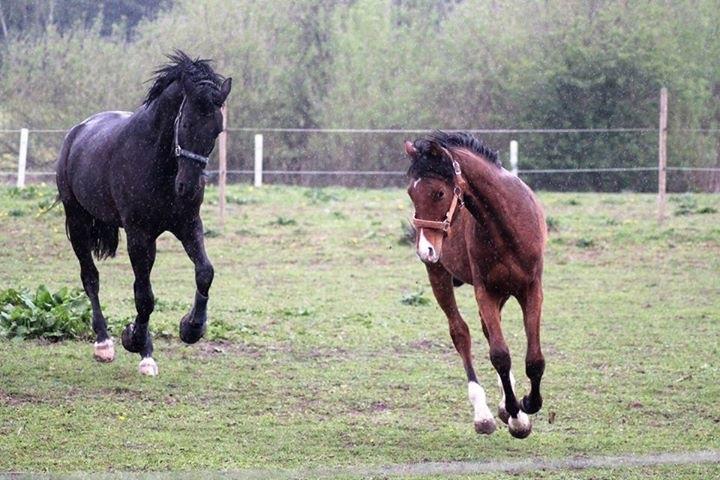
(456,167)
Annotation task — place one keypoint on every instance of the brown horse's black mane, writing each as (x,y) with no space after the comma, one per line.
(430,161)
(181,66)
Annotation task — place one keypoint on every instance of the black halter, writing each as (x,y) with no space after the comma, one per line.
(181,152)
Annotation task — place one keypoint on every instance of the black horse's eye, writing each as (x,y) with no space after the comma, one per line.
(438,195)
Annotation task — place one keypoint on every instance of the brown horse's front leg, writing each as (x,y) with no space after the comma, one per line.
(441,282)
(531,305)
(194,324)
(489,305)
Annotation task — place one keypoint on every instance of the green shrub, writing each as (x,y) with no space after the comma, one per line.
(54,316)
(415,299)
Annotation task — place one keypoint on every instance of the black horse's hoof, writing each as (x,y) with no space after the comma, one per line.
(530,407)
(191,332)
(128,341)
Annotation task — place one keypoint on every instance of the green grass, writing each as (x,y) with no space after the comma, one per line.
(330,357)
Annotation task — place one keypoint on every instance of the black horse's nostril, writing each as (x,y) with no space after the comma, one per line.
(181,188)
(431,251)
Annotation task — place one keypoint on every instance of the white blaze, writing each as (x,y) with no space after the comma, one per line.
(425,249)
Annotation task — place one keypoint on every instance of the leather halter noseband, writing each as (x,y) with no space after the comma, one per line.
(457,201)
(181,152)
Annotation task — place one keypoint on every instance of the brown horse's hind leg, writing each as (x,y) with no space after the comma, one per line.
(534,361)
(489,305)
(442,285)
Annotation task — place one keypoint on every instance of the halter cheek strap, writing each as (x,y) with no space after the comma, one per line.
(457,201)
(181,152)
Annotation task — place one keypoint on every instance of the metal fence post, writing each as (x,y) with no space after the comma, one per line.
(514,157)
(662,154)
(22,157)
(258,160)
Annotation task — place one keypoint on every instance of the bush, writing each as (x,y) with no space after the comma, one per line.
(415,299)
(54,316)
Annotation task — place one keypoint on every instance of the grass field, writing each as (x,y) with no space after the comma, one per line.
(314,361)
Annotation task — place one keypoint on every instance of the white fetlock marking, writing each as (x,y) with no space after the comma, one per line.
(519,424)
(148,367)
(476,394)
(104,351)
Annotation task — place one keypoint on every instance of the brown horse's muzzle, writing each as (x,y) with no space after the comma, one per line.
(429,244)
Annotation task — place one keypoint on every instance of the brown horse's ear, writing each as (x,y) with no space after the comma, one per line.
(410,148)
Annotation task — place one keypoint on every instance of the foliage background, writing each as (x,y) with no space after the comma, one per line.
(417,64)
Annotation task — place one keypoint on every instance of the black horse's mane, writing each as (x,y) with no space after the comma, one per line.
(181,66)
(430,162)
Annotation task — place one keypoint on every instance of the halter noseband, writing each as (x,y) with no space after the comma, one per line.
(457,201)
(181,152)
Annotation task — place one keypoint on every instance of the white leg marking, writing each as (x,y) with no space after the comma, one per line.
(521,423)
(148,367)
(484,420)
(104,351)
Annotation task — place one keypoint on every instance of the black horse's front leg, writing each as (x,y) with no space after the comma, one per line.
(136,337)
(193,325)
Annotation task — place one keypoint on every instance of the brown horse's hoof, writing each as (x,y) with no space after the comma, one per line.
(191,332)
(485,426)
(503,414)
(104,351)
(520,427)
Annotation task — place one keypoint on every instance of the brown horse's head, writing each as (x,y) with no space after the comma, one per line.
(432,194)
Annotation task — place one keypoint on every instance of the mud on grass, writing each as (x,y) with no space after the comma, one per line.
(316,361)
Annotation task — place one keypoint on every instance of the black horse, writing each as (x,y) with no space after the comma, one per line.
(144,172)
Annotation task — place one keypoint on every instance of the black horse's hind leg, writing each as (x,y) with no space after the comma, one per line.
(136,337)
(193,325)
(79,224)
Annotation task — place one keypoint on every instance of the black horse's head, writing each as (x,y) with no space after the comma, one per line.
(198,119)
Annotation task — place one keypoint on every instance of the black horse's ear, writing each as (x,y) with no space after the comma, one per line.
(188,86)
(225,89)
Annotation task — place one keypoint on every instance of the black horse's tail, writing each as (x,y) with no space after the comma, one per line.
(103,239)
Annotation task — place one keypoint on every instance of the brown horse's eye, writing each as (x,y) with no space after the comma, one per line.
(438,195)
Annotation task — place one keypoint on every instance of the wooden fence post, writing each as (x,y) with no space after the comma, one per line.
(662,155)
(22,157)
(222,164)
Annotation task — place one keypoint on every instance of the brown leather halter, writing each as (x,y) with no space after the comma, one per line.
(457,201)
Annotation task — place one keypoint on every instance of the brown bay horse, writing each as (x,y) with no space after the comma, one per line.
(478,224)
